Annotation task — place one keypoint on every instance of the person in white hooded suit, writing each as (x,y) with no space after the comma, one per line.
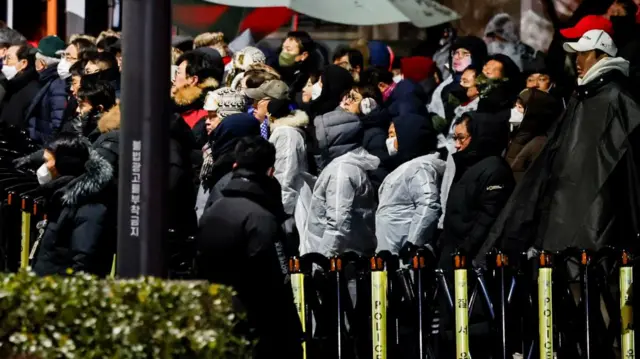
(288,136)
(338,215)
(410,195)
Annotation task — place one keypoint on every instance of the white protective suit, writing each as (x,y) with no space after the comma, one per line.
(341,211)
(410,204)
(287,135)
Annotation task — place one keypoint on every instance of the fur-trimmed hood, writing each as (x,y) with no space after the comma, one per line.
(110,121)
(297,119)
(97,177)
(190,95)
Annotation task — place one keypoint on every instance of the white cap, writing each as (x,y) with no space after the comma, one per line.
(593,40)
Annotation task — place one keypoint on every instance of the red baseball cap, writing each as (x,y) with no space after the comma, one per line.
(587,23)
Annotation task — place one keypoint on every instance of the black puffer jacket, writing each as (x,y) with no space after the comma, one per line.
(482,185)
(338,132)
(20,92)
(182,191)
(81,229)
(240,244)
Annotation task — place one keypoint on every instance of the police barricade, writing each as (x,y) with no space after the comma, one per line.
(572,304)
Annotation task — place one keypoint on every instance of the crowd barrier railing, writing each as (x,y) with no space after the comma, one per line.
(570,304)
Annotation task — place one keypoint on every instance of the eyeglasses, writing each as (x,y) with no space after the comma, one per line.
(460,138)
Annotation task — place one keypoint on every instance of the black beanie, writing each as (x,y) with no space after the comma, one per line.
(474,45)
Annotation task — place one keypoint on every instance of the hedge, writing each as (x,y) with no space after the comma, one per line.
(81,316)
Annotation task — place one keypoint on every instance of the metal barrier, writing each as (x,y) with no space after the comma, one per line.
(578,300)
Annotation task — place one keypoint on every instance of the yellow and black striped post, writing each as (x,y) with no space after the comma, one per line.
(545,306)
(379,304)
(297,284)
(628,344)
(25,242)
(461,306)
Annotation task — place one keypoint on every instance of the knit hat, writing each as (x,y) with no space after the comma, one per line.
(379,54)
(51,46)
(247,57)
(225,102)
(234,127)
(417,68)
(279,108)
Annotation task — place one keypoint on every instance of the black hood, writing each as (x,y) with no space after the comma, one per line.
(336,82)
(541,111)
(489,137)
(416,137)
(259,188)
(475,45)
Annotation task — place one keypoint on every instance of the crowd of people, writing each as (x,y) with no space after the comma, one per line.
(278,152)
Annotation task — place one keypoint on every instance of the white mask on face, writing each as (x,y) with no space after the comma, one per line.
(63,69)
(316,90)
(44,176)
(391,148)
(398,78)
(9,71)
(516,116)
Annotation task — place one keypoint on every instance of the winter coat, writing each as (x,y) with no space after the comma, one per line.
(582,191)
(182,191)
(288,137)
(526,156)
(106,139)
(541,112)
(338,132)
(341,214)
(481,186)
(223,142)
(188,102)
(240,244)
(85,124)
(20,92)
(46,112)
(409,204)
(80,231)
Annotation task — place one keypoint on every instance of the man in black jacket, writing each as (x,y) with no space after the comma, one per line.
(240,244)
(482,184)
(582,191)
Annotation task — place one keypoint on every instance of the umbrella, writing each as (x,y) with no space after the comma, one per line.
(422,13)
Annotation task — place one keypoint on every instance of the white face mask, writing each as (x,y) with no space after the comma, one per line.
(316,90)
(44,176)
(63,69)
(516,116)
(398,78)
(9,71)
(391,148)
